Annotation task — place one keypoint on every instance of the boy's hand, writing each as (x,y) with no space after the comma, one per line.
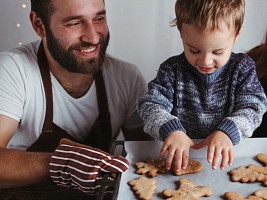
(219,144)
(177,144)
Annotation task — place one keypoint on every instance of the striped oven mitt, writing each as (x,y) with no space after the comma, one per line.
(80,167)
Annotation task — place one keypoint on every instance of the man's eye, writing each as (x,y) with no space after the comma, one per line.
(100,19)
(73,24)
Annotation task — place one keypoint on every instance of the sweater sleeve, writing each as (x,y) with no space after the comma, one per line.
(155,107)
(250,104)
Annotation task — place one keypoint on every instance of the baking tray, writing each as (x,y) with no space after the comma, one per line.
(107,184)
(218,180)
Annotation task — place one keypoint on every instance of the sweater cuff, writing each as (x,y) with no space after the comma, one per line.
(230,129)
(167,128)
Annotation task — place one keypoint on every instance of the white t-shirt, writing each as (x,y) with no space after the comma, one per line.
(22,97)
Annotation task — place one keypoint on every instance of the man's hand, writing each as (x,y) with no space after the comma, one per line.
(79,166)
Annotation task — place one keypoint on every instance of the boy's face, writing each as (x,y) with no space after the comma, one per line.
(206,50)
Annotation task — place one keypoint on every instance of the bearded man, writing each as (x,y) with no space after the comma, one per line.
(65,86)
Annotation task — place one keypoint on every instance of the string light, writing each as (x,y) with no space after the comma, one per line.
(18,25)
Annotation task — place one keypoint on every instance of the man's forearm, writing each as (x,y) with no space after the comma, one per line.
(21,168)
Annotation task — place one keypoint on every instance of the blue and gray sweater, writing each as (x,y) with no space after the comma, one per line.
(180,98)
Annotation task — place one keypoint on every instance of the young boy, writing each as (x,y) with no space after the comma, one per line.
(207,91)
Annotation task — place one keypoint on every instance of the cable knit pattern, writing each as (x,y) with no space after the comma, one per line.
(180,98)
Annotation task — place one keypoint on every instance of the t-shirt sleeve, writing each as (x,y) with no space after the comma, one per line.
(12,91)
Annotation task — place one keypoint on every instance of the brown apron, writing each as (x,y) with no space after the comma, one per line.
(100,134)
(99,137)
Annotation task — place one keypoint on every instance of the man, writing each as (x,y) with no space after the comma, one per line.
(64,86)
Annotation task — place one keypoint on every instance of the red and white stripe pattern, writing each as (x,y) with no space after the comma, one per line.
(79,166)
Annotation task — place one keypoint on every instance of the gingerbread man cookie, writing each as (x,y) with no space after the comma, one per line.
(261,193)
(187,191)
(258,195)
(246,175)
(233,196)
(144,188)
(193,166)
(262,158)
(150,167)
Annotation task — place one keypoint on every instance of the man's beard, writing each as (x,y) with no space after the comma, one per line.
(72,63)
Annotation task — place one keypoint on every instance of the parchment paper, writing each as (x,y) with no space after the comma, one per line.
(218,180)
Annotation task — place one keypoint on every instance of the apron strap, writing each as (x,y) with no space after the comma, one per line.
(51,133)
(45,73)
(101,133)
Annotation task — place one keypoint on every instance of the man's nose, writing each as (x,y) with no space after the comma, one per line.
(90,34)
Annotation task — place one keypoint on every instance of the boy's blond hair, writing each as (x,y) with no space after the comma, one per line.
(209,14)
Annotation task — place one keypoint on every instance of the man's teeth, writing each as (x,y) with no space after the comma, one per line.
(88,50)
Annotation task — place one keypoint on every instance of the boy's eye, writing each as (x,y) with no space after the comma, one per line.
(218,53)
(194,51)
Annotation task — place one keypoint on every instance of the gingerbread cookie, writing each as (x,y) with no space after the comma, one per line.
(187,191)
(261,193)
(263,159)
(258,195)
(233,196)
(193,166)
(144,188)
(246,175)
(150,167)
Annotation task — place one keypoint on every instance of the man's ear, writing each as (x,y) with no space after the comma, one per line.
(37,24)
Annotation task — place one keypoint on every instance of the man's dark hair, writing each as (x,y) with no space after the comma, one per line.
(43,9)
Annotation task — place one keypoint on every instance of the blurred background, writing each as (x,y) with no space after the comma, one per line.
(140,29)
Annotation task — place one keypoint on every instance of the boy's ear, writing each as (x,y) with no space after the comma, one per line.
(238,35)
(37,24)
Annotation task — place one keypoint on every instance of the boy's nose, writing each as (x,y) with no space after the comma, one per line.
(206,60)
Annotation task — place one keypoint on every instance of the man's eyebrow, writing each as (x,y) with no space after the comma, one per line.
(66,19)
(102,12)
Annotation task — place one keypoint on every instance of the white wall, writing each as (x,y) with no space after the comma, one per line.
(140,31)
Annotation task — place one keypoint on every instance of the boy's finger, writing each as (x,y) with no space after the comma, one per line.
(225,159)
(162,152)
(210,153)
(169,159)
(216,157)
(231,156)
(178,162)
(185,159)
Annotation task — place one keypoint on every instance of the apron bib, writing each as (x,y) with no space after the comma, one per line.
(99,137)
(100,134)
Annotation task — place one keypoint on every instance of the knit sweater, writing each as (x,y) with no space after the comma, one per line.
(180,98)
